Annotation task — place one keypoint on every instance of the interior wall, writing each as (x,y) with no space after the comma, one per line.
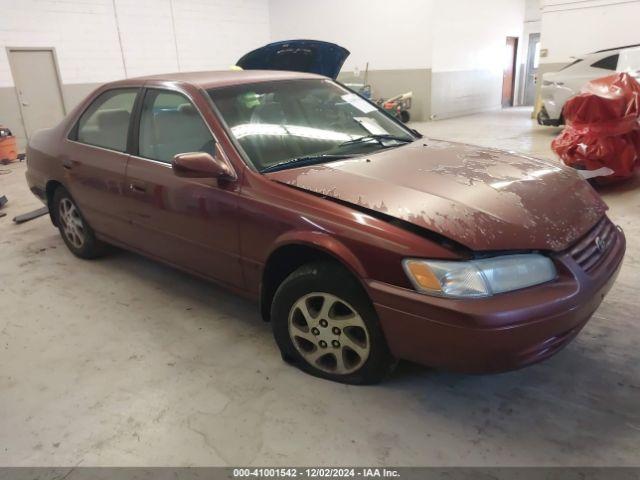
(469,54)
(571,28)
(532,10)
(388,35)
(449,53)
(389,83)
(394,38)
(452,62)
(98,41)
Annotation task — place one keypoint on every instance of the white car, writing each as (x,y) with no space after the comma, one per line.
(558,87)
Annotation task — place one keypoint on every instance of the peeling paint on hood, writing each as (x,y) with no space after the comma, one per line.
(483,198)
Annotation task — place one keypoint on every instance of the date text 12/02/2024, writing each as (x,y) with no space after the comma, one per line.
(315,473)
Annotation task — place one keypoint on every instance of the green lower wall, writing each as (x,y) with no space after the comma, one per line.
(389,83)
(437,95)
(464,92)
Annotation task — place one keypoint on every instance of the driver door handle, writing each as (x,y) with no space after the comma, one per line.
(68,163)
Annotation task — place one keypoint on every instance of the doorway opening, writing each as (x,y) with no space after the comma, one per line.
(509,72)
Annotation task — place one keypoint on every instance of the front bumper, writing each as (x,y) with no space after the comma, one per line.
(544,119)
(553,99)
(499,333)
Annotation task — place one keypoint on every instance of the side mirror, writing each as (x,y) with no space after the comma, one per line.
(201,165)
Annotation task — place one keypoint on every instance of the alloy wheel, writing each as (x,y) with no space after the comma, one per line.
(329,333)
(72,223)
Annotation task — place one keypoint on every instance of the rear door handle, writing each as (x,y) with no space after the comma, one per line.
(138,187)
(68,163)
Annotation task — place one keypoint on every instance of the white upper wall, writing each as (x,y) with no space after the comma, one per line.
(387,34)
(445,35)
(157,35)
(102,40)
(84,35)
(532,11)
(532,22)
(475,39)
(571,28)
(213,35)
(148,45)
(167,35)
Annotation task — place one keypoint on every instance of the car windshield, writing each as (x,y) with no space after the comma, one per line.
(283,124)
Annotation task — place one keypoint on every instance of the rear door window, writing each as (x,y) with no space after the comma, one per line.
(607,63)
(105,123)
(170,124)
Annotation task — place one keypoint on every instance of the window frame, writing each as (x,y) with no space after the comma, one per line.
(72,135)
(134,149)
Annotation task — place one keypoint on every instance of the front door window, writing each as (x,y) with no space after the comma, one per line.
(170,124)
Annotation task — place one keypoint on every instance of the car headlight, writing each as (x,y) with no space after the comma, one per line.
(479,278)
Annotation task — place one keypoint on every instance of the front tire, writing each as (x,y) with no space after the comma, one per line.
(325,324)
(75,231)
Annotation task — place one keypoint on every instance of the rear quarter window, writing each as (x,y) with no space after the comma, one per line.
(607,63)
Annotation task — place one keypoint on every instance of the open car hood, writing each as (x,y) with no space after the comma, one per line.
(484,199)
(309,56)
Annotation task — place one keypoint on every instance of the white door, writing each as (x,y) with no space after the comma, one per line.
(36,79)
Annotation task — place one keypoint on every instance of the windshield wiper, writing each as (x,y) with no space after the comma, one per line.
(380,137)
(302,161)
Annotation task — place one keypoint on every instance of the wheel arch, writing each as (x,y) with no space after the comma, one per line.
(293,251)
(50,190)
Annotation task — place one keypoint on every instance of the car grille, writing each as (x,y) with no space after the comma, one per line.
(593,247)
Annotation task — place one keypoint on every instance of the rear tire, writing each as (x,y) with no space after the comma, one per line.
(76,232)
(325,324)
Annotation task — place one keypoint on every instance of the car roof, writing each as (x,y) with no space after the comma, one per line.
(617,48)
(222,78)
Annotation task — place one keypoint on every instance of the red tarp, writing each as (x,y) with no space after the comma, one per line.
(602,127)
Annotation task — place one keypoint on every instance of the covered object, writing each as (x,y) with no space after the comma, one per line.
(603,129)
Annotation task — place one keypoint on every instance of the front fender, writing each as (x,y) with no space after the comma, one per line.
(323,242)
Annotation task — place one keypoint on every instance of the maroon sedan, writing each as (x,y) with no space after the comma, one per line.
(363,242)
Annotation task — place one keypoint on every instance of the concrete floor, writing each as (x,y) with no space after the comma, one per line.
(123,361)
